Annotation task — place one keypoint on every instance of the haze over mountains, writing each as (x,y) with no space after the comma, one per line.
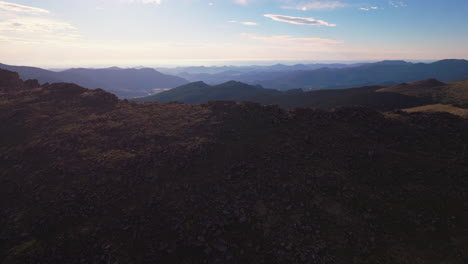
(125,83)
(130,83)
(332,76)
(252,68)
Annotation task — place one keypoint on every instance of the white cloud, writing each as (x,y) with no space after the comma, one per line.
(26,24)
(369,8)
(314,5)
(34,25)
(299,20)
(397,3)
(12,7)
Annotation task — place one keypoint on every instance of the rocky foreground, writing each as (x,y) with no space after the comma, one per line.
(88,178)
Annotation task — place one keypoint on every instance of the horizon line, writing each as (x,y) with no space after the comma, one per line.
(214,63)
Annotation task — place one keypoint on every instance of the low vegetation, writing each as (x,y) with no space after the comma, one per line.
(88,178)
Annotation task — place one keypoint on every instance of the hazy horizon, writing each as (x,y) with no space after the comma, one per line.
(213,63)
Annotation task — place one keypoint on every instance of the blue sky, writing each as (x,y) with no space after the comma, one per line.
(152,32)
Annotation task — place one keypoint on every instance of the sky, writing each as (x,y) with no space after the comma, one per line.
(62,33)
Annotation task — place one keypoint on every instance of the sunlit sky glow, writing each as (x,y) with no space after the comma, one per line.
(151,32)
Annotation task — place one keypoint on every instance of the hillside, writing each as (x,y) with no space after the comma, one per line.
(125,83)
(445,93)
(329,99)
(88,178)
(199,92)
(454,110)
(401,96)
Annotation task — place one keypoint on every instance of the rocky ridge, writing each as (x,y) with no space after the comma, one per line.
(88,178)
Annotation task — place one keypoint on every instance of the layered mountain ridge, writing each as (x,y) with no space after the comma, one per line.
(401,96)
(334,76)
(141,82)
(126,83)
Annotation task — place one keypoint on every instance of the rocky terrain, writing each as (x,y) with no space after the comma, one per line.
(88,178)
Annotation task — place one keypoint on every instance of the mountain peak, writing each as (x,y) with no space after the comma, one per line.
(199,84)
(232,82)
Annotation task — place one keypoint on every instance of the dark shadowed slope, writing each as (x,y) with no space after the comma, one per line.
(329,99)
(86,178)
(126,83)
(199,92)
(11,82)
(405,95)
(439,92)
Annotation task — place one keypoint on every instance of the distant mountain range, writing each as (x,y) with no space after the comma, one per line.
(140,82)
(125,83)
(385,72)
(194,70)
(334,76)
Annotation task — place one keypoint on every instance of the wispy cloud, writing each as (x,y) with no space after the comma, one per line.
(34,25)
(313,5)
(397,4)
(299,20)
(27,24)
(247,23)
(12,7)
(369,8)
